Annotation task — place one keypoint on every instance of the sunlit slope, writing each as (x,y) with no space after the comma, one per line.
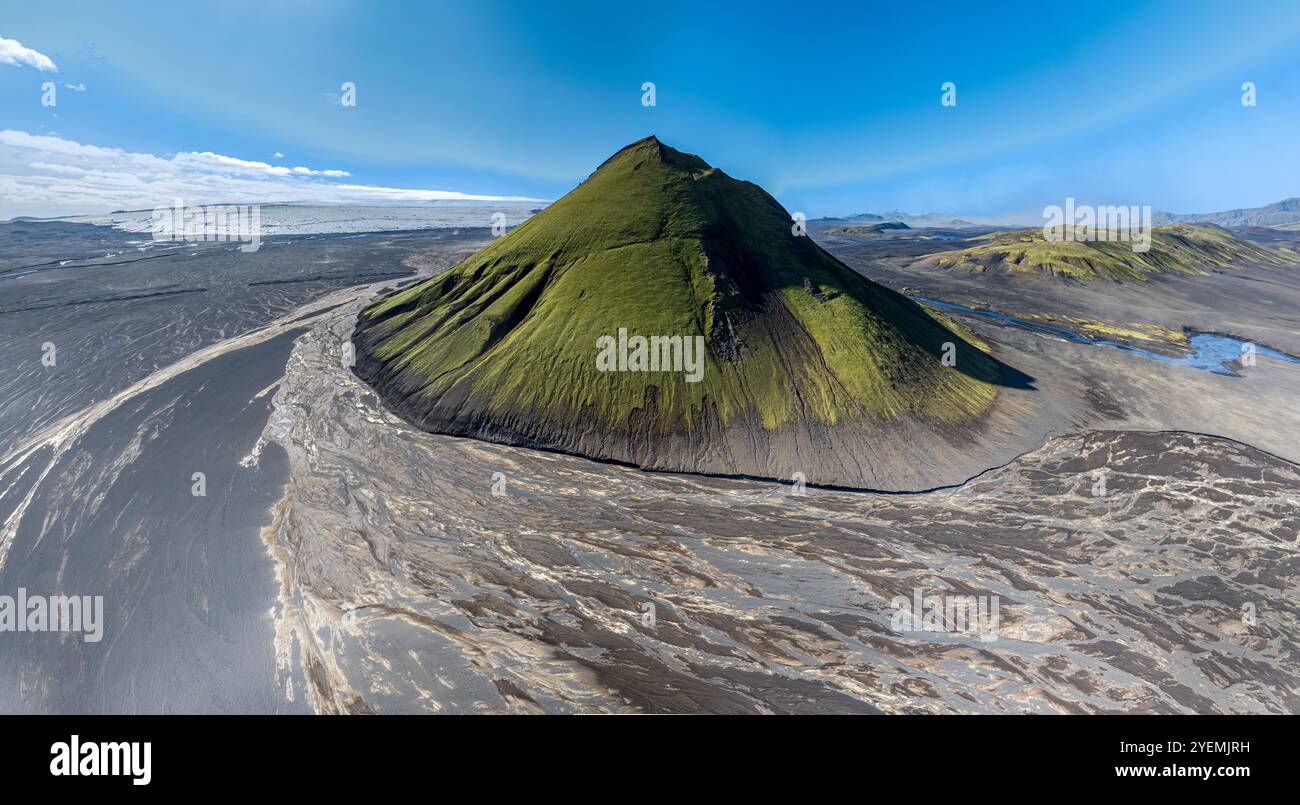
(1177,248)
(659,243)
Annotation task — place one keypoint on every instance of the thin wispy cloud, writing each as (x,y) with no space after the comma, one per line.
(46,175)
(15,53)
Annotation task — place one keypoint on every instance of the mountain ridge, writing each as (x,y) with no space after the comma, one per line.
(1279,213)
(1194,249)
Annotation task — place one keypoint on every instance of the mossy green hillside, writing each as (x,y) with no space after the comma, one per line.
(658,242)
(1177,248)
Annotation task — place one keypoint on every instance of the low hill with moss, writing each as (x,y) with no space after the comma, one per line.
(1177,248)
(806,363)
(868,229)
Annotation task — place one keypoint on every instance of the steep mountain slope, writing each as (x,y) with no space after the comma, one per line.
(805,362)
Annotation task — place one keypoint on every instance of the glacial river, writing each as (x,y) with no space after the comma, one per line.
(1209,352)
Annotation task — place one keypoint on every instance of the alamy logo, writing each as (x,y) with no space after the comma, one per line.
(53,613)
(957,614)
(76,759)
(1084,223)
(219,222)
(658,353)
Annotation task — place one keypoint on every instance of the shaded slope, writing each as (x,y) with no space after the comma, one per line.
(503,346)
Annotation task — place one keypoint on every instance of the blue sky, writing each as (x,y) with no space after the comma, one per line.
(835,110)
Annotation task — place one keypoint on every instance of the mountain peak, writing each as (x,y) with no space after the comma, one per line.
(653,148)
(742,346)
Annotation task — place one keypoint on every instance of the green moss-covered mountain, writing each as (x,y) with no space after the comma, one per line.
(1176,248)
(805,364)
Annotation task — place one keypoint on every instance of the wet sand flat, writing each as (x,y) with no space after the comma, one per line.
(409,586)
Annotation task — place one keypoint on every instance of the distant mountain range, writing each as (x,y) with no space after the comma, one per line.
(1279,214)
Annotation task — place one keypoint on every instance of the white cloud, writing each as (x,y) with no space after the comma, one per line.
(206,160)
(46,175)
(335,174)
(76,87)
(15,53)
(48,167)
(278,155)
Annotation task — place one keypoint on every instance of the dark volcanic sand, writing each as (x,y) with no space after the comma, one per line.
(397,582)
(95,472)
(185,580)
(434,594)
(113,320)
